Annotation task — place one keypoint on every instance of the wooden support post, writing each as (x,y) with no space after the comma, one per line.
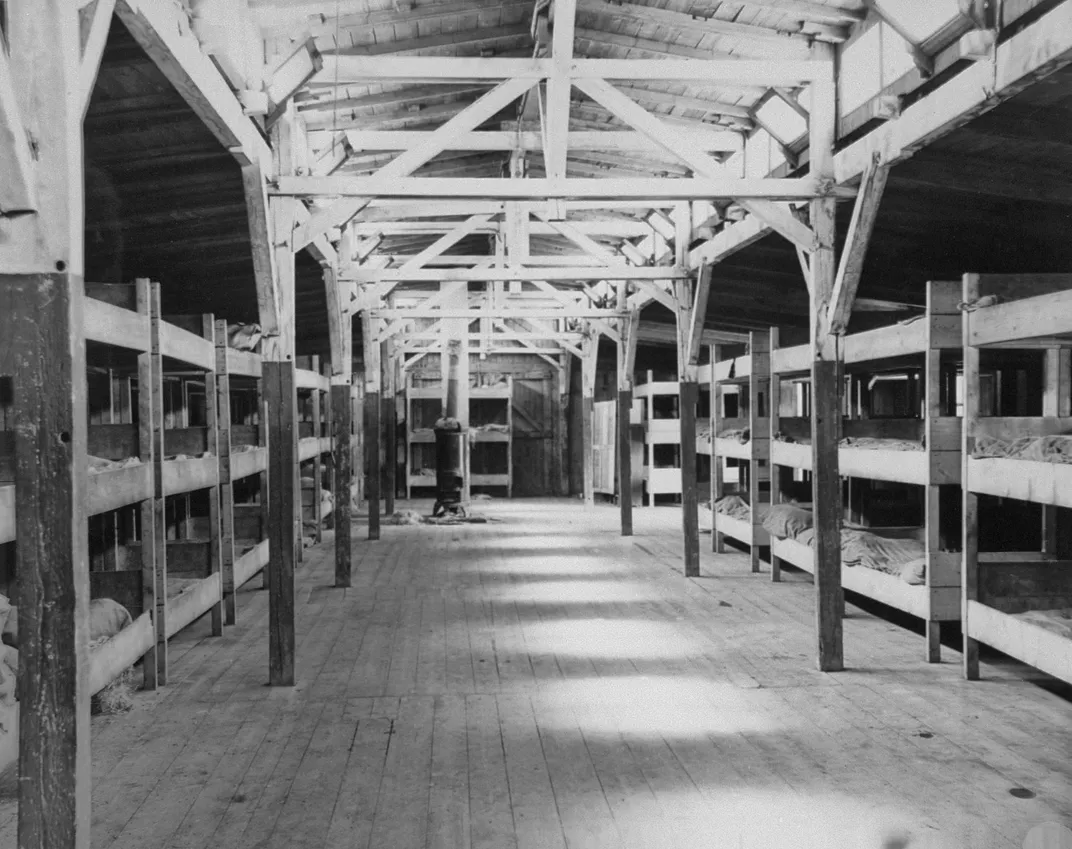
(590,348)
(263,480)
(223,452)
(969,576)
(718,483)
(208,330)
(562,427)
(390,429)
(775,409)
(932,513)
(42,348)
(1054,403)
(159,521)
(825,379)
(689,315)
(372,422)
(342,423)
(280,398)
(759,430)
(151,541)
(318,460)
(626,364)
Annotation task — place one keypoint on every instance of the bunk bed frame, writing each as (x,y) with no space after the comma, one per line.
(749,375)
(999,589)
(120,320)
(504,394)
(937,464)
(418,436)
(313,384)
(658,431)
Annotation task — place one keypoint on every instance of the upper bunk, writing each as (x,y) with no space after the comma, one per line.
(1027,455)
(915,440)
(745,435)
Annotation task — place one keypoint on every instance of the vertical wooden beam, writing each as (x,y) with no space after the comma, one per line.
(159,518)
(208,330)
(775,405)
(759,430)
(369,331)
(342,423)
(42,348)
(562,428)
(147,451)
(626,363)
(390,428)
(718,484)
(280,396)
(825,381)
(969,577)
(688,395)
(318,460)
(223,452)
(1054,390)
(590,349)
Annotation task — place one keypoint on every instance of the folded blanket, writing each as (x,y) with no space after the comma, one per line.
(101,464)
(787,521)
(733,506)
(867,549)
(874,442)
(243,337)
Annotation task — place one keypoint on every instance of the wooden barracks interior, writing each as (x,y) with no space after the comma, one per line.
(536,424)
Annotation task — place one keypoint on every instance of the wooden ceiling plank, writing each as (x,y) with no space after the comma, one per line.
(158,26)
(719,141)
(448,240)
(559,89)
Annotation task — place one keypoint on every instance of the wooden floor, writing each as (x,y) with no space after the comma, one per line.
(541,682)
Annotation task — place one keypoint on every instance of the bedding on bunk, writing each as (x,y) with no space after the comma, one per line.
(1057,621)
(881,443)
(243,337)
(787,521)
(107,618)
(903,558)
(200,456)
(491,428)
(1041,449)
(243,449)
(737,434)
(866,442)
(865,548)
(101,464)
(733,506)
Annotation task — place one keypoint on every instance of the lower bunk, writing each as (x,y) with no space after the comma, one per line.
(890,565)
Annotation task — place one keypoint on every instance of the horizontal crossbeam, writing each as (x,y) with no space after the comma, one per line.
(802,188)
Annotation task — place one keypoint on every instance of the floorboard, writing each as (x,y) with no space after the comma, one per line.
(540,682)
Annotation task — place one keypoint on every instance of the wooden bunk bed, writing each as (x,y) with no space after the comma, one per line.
(1019,602)
(243,458)
(659,404)
(491,429)
(424,405)
(315,442)
(911,567)
(744,438)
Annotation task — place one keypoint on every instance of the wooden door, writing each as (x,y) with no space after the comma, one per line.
(534,402)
